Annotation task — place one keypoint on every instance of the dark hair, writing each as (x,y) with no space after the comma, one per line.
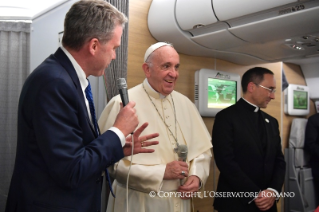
(89,19)
(255,75)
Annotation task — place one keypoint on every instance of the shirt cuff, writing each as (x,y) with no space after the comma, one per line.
(119,134)
(277,194)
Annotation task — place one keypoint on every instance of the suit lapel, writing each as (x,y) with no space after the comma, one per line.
(66,63)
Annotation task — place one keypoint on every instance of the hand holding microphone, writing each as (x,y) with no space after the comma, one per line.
(182,155)
(177,169)
(193,182)
(126,120)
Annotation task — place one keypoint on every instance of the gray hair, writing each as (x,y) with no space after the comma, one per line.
(89,19)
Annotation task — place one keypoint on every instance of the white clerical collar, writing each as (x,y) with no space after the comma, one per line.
(256,107)
(79,71)
(161,96)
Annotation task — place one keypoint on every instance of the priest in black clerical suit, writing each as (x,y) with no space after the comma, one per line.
(247,149)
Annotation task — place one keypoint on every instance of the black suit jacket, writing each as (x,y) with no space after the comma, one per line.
(59,158)
(312,143)
(244,165)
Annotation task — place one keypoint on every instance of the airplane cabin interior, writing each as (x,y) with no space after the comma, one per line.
(222,38)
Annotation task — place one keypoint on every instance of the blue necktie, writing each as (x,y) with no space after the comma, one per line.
(89,97)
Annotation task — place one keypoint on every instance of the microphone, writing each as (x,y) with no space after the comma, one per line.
(182,152)
(182,155)
(121,84)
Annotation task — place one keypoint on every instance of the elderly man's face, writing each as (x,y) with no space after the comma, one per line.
(162,73)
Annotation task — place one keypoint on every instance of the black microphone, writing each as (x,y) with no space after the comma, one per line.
(121,84)
(182,155)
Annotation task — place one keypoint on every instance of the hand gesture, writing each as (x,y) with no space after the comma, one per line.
(139,142)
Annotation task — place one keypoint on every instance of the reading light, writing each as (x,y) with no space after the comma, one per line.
(295,46)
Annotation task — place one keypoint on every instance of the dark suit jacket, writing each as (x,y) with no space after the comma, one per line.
(59,158)
(312,143)
(244,165)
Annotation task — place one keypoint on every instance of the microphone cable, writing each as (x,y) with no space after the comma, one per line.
(122,86)
(129,170)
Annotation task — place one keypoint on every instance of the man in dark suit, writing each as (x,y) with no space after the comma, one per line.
(312,146)
(247,149)
(60,153)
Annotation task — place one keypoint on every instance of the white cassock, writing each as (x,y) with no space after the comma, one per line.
(147,171)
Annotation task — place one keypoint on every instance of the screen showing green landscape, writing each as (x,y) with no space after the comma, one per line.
(300,100)
(221,93)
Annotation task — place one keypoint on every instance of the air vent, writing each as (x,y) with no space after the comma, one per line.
(196,92)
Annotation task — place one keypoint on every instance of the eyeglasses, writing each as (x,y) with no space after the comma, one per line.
(271,90)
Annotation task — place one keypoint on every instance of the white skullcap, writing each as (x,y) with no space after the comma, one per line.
(153,47)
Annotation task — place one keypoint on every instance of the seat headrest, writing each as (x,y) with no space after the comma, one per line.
(297,133)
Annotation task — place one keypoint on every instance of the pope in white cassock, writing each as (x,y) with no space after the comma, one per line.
(178,122)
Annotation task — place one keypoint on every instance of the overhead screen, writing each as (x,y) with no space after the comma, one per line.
(300,100)
(215,90)
(297,100)
(221,93)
